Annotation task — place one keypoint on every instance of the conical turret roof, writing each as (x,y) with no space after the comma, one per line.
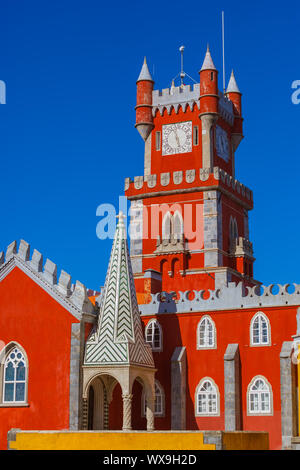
(232,85)
(118,337)
(145,74)
(208,62)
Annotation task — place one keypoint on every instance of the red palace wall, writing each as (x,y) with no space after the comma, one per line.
(29,316)
(231,327)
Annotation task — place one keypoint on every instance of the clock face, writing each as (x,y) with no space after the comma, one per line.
(177,138)
(222,143)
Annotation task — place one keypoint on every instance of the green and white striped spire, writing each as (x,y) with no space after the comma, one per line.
(118,337)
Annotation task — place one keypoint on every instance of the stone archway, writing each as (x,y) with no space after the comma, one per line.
(101,382)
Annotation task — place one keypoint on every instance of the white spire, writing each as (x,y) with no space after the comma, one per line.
(208,62)
(145,74)
(232,85)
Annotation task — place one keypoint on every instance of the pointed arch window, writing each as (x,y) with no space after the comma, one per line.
(207,399)
(260,397)
(260,331)
(172,226)
(233,233)
(153,334)
(206,334)
(166,226)
(178,225)
(14,375)
(159,404)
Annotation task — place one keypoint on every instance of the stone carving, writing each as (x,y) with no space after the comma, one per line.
(177,177)
(127,400)
(165,179)
(190,176)
(235,296)
(151,181)
(138,182)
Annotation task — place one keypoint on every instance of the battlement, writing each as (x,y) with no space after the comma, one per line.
(189,176)
(74,296)
(225,107)
(235,296)
(174,97)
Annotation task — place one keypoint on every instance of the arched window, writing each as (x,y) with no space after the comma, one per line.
(172,226)
(206,334)
(233,233)
(166,226)
(14,374)
(207,399)
(159,404)
(260,397)
(153,334)
(260,334)
(178,225)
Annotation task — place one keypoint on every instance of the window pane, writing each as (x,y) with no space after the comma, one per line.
(9,392)
(9,372)
(20,371)
(20,391)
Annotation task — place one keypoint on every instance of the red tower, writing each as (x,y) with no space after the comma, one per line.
(188,212)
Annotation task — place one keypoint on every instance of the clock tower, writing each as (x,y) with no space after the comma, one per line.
(189,214)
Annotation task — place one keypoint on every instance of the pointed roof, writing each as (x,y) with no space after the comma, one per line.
(208,62)
(118,337)
(232,85)
(145,74)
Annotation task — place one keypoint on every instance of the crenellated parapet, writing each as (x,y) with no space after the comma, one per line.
(143,186)
(175,98)
(225,108)
(74,297)
(235,296)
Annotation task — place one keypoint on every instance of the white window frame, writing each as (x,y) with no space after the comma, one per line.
(261,316)
(217,398)
(4,355)
(259,393)
(207,318)
(154,323)
(158,414)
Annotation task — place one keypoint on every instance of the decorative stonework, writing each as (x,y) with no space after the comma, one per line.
(202,175)
(73,298)
(233,296)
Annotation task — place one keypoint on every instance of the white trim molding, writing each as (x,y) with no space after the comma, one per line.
(209,336)
(212,403)
(150,336)
(263,327)
(263,387)
(13,353)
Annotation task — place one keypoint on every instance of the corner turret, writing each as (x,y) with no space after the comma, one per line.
(144,119)
(235,96)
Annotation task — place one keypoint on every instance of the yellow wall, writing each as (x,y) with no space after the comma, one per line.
(136,440)
(93,440)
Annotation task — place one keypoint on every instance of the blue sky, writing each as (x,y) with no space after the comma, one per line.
(67,131)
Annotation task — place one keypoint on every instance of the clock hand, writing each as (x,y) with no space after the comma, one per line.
(177,139)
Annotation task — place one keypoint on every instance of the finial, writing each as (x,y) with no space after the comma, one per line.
(121,218)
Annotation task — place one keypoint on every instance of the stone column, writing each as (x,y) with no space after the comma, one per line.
(105,411)
(150,412)
(84,413)
(287,391)
(178,388)
(207,149)
(232,388)
(127,400)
